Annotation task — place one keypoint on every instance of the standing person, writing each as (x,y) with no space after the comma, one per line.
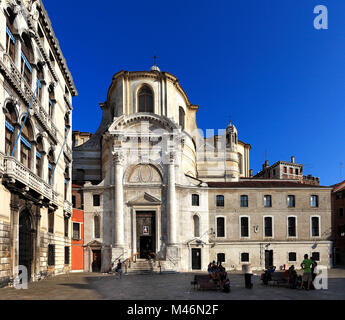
(119,268)
(307,275)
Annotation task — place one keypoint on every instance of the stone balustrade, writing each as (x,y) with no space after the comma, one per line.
(68,208)
(27,93)
(13,169)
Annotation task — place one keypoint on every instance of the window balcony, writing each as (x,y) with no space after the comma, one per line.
(68,208)
(18,175)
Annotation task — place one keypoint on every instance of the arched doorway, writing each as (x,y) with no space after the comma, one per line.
(26,241)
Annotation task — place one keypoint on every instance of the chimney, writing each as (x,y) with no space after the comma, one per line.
(251,173)
(293,159)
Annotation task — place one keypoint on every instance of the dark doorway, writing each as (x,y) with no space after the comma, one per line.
(96,260)
(146,233)
(268,258)
(196,259)
(26,242)
(146,247)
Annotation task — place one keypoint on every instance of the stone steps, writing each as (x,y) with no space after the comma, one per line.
(146,267)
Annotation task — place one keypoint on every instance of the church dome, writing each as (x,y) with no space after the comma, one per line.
(155,68)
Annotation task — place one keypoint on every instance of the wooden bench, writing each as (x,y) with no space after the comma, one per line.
(204,282)
(279,278)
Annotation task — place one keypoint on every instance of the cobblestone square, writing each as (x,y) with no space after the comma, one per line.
(91,286)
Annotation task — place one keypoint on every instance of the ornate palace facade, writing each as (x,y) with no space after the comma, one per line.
(35,184)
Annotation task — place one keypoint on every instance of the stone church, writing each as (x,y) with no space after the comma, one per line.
(155,185)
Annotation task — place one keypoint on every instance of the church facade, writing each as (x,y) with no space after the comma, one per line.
(154,184)
(36,90)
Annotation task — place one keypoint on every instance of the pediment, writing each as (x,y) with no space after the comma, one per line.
(94,243)
(145,199)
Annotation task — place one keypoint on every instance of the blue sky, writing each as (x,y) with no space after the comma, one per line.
(261,62)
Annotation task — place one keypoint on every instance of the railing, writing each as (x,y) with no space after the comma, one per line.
(15,170)
(67,207)
(40,113)
(128,261)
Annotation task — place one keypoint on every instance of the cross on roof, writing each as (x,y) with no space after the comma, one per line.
(155,59)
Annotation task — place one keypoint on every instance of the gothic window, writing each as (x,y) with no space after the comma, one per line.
(10,120)
(220,227)
(27,58)
(220,201)
(196,226)
(67,125)
(268,227)
(51,101)
(145,98)
(182,117)
(10,40)
(51,165)
(292,227)
(97,226)
(39,155)
(40,77)
(25,145)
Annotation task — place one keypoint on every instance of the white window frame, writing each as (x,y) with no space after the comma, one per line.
(73,239)
(263,226)
(287,227)
(311,227)
(288,256)
(245,262)
(240,229)
(216,229)
(191,199)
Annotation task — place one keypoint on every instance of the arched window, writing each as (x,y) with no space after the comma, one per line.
(39,155)
(51,164)
(97,226)
(67,126)
(10,40)
(182,117)
(145,98)
(51,101)
(27,58)
(10,121)
(196,226)
(40,78)
(25,146)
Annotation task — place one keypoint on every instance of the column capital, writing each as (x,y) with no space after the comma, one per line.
(118,157)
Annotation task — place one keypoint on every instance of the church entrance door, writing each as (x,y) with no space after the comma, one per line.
(146,233)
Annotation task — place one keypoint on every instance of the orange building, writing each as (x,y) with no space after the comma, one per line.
(77,255)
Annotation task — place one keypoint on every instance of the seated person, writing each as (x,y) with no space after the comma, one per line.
(292,277)
(226,285)
(267,276)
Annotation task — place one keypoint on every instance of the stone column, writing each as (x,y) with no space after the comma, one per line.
(38,242)
(171,200)
(33,157)
(18,146)
(15,233)
(118,195)
(18,53)
(134,231)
